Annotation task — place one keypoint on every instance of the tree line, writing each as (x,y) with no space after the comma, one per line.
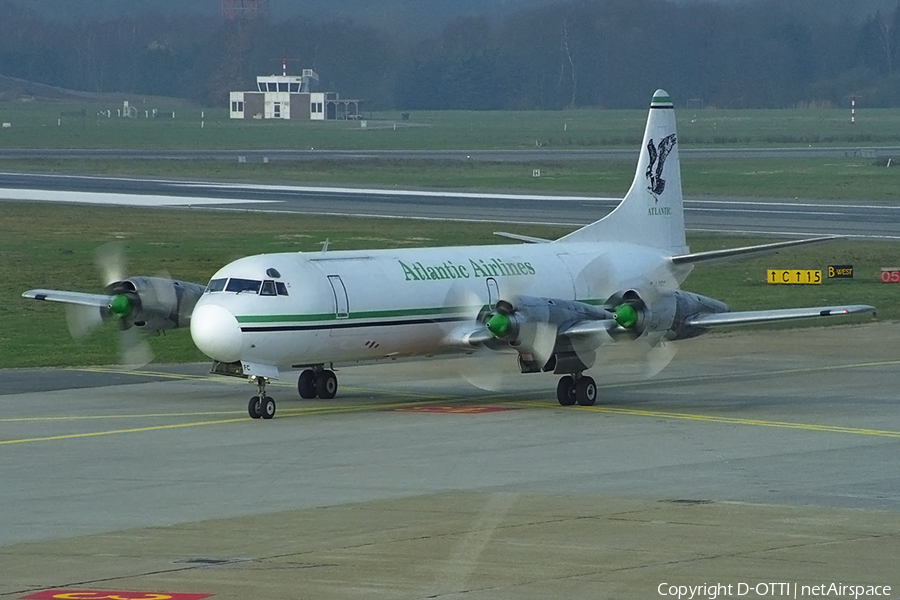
(606,53)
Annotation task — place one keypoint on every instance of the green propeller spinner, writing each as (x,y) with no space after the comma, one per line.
(626,316)
(498,324)
(120,305)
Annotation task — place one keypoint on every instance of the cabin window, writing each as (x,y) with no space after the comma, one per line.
(216,285)
(268,288)
(280,288)
(243,285)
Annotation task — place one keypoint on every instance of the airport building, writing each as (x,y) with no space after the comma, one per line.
(291,97)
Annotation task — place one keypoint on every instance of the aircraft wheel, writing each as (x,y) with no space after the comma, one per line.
(267,408)
(253,408)
(586,391)
(565,391)
(326,385)
(306,384)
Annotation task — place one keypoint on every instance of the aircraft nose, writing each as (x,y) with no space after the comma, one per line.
(216,332)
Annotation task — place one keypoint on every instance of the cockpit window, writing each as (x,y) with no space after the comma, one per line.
(243,285)
(216,285)
(268,288)
(273,272)
(251,286)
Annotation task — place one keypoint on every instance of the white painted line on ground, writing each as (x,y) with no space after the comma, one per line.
(385,192)
(759,206)
(116,199)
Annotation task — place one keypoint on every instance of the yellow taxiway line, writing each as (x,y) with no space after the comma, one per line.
(302,412)
(432,400)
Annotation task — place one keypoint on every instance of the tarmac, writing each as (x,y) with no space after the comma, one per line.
(767,460)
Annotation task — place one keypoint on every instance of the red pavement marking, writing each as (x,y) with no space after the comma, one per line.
(456,409)
(111,595)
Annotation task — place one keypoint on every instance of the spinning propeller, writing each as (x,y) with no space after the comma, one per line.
(564,336)
(123,304)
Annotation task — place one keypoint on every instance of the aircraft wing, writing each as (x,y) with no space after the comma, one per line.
(718,256)
(588,328)
(768,316)
(528,239)
(79,298)
(468,336)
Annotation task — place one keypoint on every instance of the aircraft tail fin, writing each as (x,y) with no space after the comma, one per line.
(652,212)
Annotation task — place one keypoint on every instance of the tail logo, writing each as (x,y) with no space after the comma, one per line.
(658,155)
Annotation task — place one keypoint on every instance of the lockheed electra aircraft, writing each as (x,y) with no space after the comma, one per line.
(553,305)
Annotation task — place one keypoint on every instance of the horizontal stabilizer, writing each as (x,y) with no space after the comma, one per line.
(522,238)
(728,254)
(79,298)
(768,316)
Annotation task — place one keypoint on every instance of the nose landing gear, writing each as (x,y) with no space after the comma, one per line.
(261,405)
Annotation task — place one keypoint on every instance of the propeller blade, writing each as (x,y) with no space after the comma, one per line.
(490,370)
(543,341)
(83,320)
(110,259)
(484,367)
(657,358)
(134,351)
(464,308)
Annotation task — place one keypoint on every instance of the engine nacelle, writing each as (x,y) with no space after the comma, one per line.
(510,322)
(153,304)
(532,326)
(661,312)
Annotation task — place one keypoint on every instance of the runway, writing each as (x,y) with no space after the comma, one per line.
(755,457)
(870,220)
(520,156)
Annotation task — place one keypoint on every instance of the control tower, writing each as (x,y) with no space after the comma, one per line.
(291,97)
(234,10)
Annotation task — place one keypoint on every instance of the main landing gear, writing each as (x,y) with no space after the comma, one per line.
(261,405)
(576,388)
(317,382)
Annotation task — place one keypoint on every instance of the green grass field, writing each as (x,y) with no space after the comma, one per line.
(51,125)
(52,246)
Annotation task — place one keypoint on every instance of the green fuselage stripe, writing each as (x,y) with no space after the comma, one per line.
(369,314)
(363,314)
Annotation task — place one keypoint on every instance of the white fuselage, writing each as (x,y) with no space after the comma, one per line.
(353,306)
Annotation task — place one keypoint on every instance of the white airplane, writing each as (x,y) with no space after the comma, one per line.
(554,305)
